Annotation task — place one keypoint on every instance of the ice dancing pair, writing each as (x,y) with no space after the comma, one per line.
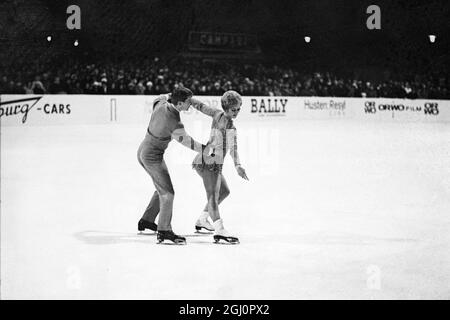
(165,125)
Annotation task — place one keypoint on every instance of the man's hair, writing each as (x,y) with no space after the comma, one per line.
(180,94)
(230,99)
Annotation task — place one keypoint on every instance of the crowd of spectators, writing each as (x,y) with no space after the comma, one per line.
(154,76)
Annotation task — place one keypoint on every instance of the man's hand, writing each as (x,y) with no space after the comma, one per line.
(241,172)
(165,96)
(205,152)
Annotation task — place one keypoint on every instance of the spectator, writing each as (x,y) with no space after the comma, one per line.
(149,90)
(37,86)
(104,86)
(4,84)
(155,76)
(56,87)
(216,90)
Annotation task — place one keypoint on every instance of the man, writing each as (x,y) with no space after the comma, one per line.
(165,125)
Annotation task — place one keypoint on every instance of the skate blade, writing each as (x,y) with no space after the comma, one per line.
(204,232)
(141,233)
(171,243)
(142,229)
(200,230)
(226,240)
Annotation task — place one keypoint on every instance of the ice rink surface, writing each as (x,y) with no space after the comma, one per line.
(333,210)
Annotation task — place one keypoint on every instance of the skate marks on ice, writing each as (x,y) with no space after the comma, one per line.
(96,237)
(203,238)
(108,237)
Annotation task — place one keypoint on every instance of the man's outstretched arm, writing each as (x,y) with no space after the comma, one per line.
(181,136)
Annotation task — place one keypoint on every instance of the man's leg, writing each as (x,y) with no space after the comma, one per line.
(164,187)
(161,179)
(152,209)
(148,218)
(163,184)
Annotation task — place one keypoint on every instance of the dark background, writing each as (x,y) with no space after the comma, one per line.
(142,27)
(130,30)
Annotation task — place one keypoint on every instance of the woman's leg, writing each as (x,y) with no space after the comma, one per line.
(212,181)
(224,192)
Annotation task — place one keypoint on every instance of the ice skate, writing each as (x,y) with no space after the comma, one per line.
(144,224)
(203,224)
(222,234)
(169,235)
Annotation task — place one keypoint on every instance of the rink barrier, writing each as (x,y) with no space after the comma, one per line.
(20,110)
(113,110)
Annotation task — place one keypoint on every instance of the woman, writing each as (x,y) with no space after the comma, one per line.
(222,139)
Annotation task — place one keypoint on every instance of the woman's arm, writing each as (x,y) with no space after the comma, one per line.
(235,155)
(203,108)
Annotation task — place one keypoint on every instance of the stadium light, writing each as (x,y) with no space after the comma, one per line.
(307,39)
(75,43)
(49,38)
(432,38)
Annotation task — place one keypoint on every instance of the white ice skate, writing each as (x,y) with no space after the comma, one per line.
(203,223)
(221,234)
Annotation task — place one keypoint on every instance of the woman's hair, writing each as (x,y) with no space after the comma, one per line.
(180,94)
(230,99)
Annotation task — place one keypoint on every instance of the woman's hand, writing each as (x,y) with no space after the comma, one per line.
(241,172)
